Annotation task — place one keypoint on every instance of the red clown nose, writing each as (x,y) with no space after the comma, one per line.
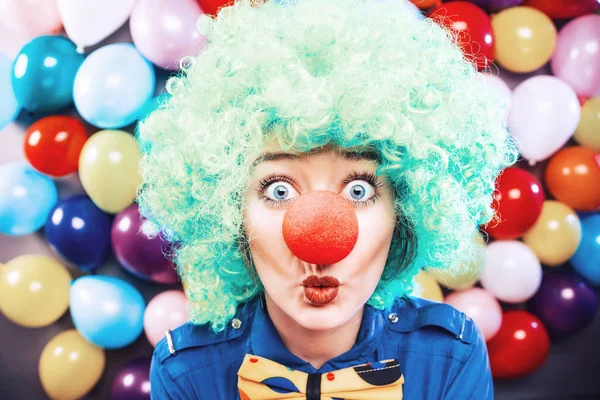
(320,227)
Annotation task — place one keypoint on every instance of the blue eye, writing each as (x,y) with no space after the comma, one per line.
(359,191)
(279,191)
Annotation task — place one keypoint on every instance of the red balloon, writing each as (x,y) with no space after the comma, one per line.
(212,6)
(53,144)
(473,29)
(520,347)
(518,202)
(560,9)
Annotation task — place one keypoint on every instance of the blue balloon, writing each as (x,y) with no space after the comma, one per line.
(113,85)
(107,311)
(43,73)
(9,107)
(586,259)
(26,199)
(152,105)
(80,232)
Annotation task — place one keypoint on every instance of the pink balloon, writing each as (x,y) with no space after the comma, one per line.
(576,58)
(166,311)
(33,17)
(481,306)
(165,30)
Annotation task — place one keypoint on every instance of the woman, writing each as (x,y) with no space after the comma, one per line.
(308,163)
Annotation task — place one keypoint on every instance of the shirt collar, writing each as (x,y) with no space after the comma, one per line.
(266,342)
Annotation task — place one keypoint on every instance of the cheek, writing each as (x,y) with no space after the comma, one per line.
(263,227)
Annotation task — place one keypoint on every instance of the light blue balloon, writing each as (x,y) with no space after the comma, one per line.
(586,259)
(26,199)
(112,86)
(107,311)
(9,107)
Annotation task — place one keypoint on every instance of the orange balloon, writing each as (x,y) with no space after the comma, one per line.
(573,177)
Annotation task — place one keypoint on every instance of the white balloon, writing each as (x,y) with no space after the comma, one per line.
(544,114)
(512,272)
(87,22)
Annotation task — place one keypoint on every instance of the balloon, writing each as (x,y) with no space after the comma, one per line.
(556,234)
(481,306)
(108,168)
(560,9)
(32,17)
(9,107)
(499,86)
(166,311)
(586,259)
(164,31)
(496,5)
(565,303)
(140,255)
(43,73)
(112,85)
(464,276)
(427,287)
(424,4)
(471,27)
(70,366)
(520,347)
(34,290)
(212,6)
(577,56)
(107,311)
(80,232)
(512,272)
(53,145)
(26,198)
(544,114)
(573,177)
(518,202)
(133,381)
(525,38)
(588,131)
(152,105)
(87,22)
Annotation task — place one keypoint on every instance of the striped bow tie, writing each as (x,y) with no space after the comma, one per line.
(262,379)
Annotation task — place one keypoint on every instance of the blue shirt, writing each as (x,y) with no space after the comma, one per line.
(441,353)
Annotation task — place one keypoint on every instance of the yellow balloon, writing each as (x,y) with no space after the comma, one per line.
(588,131)
(427,287)
(556,234)
(34,290)
(524,38)
(108,169)
(70,366)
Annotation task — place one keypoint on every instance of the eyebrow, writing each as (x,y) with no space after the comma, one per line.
(368,155)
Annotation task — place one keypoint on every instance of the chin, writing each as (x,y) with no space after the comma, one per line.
(320,318)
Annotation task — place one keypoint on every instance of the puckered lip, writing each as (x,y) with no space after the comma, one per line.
(323,281)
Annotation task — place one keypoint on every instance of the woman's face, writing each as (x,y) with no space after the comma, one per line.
(275,183)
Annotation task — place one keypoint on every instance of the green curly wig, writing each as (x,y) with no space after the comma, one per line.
(361,74)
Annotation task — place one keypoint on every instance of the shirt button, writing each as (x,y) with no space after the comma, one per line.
(236,323)
(393,317)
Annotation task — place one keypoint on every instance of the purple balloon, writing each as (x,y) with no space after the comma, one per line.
(565,303)
(133,381)
(137,253)
(496,5)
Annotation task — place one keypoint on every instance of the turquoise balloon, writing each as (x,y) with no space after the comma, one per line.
(113,85)
(26,199)
(107,311)
(586,259)
(9,107)
(44,72)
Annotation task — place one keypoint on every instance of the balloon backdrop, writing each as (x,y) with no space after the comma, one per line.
(33,17)
(427,287)
(520,347)
(496,5)
(9,107)
(588,131)
(34,290)
(43,74)
(212,6)
(512,272)
(133,381)
(52,145)
(481,306)
(108,169)
(70,366)
(544,114)
(107,311)
(142,256)
(556,234)
(166,311)
(26,198)
(565,303)
(586,259)
(113,102)
(560,9)
(80,232)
